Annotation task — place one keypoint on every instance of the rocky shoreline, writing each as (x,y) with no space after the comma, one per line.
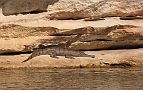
(115,45)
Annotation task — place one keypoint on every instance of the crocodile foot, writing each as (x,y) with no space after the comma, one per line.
(70,57)
(54,56)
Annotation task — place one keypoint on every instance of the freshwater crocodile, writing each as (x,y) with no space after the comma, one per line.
(55,50)
(59,50)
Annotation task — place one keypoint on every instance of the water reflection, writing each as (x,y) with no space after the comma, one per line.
(72,79)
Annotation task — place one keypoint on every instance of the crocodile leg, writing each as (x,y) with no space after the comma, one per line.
(70,57)
(53,55)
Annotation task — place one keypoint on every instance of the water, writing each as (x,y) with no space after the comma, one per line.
(72,79)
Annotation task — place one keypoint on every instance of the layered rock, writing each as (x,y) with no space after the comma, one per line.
(93,30)
(116,39)
(16,38)
(95,10)
(99,38)
(18,31)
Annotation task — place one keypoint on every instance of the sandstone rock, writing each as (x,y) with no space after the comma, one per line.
(18,31)
(126,34)
(87,34)
(12,7)
(20,45)
(107,8)
(104,8)
(69,9)
(92,30)
(84,30)
(116,39)
(103,45)
(16,38)
(94,18)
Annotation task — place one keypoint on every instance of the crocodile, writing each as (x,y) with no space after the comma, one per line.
(55,50)
(59,50)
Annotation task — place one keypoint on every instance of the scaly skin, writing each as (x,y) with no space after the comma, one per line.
(55,51)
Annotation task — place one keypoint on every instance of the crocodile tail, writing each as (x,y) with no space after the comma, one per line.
(27,59)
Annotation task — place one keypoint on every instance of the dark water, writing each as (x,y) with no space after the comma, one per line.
(72,79)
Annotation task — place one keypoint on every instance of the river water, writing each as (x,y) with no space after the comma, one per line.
(72,79)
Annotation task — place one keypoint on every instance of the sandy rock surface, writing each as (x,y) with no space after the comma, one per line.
(104,8)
